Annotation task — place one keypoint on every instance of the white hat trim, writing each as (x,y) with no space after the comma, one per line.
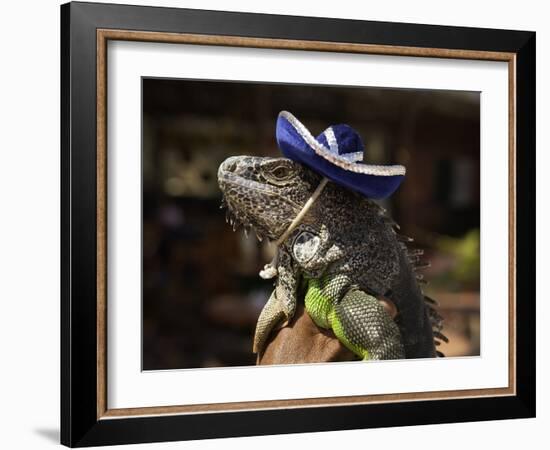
(345,162)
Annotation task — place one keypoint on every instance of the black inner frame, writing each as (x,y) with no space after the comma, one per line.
(79,424)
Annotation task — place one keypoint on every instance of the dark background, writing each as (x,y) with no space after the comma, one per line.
(201,289)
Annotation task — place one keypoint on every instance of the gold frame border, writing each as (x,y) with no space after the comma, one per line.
(104,35)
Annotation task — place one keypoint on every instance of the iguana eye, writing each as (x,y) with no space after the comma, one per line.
(280,172)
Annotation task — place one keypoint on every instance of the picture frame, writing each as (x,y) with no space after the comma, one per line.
(86,418)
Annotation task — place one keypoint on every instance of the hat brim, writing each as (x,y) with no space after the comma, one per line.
(297,144)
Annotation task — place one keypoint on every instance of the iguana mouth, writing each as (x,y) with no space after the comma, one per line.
(232,178)
(236,220)
(237,216)
(233,214)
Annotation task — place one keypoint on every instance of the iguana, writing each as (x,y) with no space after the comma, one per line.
(344,253)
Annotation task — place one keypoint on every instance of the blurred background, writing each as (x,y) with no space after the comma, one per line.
(201,291)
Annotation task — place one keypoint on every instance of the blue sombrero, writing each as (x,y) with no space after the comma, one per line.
(337,154)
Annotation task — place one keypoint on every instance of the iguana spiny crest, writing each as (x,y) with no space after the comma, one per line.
(346,241)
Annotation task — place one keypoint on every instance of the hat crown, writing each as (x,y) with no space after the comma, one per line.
(343,141)
(337,154)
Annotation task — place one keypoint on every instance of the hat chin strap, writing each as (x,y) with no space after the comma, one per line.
(270,270)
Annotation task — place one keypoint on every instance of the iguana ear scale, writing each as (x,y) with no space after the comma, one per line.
(314,250)
(305,246)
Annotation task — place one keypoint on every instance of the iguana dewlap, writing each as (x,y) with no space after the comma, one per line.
(345,251)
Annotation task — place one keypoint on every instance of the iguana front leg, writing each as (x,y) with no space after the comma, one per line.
(281,306)
(274,314)
(358,320)
(362,324)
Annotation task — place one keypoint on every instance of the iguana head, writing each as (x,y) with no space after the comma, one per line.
(265,193)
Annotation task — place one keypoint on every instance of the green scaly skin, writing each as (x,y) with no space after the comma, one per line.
(320,307)
(321,302)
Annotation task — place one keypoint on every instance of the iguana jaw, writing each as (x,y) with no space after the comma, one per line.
(254,204)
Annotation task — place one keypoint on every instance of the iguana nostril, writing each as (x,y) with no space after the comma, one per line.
(229,165)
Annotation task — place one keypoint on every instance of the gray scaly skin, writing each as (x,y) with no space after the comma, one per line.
(346,245)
